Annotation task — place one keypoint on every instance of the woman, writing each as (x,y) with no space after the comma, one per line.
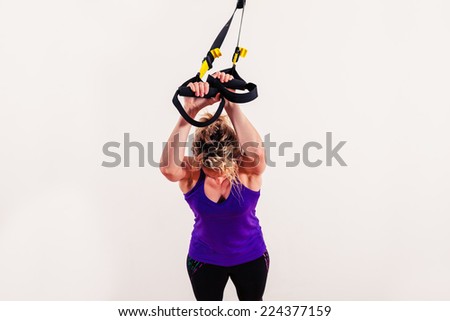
(221,183)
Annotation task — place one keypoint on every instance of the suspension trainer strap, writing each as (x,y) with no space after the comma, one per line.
(215,85)
(214,51)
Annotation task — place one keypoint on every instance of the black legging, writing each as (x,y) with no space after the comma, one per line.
(209,280)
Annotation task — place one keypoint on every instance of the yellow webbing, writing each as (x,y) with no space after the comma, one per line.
(205,67)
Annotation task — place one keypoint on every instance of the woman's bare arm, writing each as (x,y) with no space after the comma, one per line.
(173,162)
(249,140)
(253,160)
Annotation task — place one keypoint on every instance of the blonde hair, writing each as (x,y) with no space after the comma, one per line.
(217,147)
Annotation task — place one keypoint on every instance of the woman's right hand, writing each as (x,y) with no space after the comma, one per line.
(197,103)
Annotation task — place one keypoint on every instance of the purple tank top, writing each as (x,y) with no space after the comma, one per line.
(226,233)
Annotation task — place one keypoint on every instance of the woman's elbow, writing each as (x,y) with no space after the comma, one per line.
(255,162)
(260,164)
(170,174)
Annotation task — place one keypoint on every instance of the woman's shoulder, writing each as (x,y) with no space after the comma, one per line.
(251,181)
(193,174)
(250,173)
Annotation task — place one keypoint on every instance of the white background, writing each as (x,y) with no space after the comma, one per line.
(77,74)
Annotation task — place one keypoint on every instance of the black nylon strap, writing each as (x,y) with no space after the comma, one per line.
(216,85)
(186,116)
(192,121)
(223,33)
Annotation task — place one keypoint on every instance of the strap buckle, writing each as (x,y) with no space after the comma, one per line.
(208,61)
(239,52)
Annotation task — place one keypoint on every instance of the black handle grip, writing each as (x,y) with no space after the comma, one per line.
(251,94)
(186,91)
(232,84)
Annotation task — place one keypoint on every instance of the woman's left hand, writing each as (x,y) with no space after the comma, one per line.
(197,103)
(223,77)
